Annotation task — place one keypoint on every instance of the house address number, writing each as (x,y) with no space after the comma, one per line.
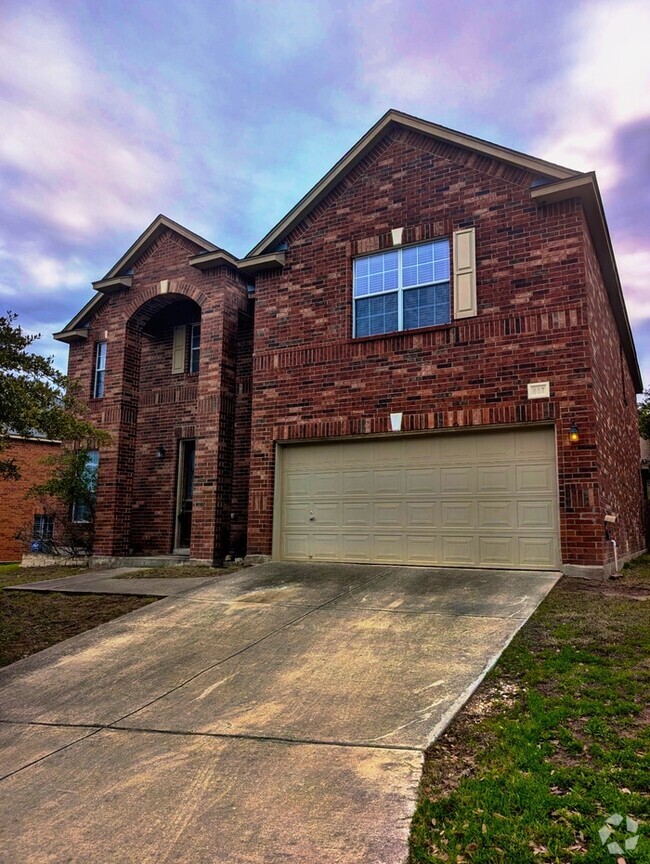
(539,390)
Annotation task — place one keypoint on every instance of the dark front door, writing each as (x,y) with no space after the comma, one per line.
(185,494)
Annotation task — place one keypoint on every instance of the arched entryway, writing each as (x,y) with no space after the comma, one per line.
(165,334)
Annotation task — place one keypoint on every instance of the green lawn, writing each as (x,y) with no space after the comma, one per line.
(555,740)
(30,622)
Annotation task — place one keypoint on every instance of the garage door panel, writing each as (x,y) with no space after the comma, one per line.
(457,448)
(458,551)
(535,444)
(497,551)
(325,514)
(421,549)
(388,514)
(421,481)
(463,499)
(457,514)
(357,483)
(388,548)
(356,514)
(296,546)
(495,447)
(422,514)
(496,514)
(296,485)
(356,546)
(495,478)
(536,514)
(325,484)
(461,480)
(388,452)
(537,552)
(325,546)
(535,478)
(296,515)
(423,450)
(388,482)
(350,457)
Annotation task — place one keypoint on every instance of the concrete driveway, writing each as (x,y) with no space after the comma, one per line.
(278,714)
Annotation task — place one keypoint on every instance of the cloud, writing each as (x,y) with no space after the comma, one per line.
(634,267)
(284,30)
(80,154)
(604,87)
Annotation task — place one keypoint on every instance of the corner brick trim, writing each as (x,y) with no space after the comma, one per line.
(424,421)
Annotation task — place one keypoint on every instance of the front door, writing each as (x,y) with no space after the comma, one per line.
(185,495)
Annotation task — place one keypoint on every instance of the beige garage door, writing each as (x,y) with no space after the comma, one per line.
(463,499)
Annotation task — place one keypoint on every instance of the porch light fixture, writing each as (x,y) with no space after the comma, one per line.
(574,435)
(160,453)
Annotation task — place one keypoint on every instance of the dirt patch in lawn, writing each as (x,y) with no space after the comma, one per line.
(181,571)
(30,622)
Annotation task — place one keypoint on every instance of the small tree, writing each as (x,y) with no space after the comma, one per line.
(70,494)
(35,398)
(644,414)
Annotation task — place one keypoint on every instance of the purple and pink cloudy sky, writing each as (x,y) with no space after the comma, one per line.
(223,114)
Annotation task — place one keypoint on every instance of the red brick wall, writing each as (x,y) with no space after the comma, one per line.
(146,406)
(616,425)
(311,379)
(18,510)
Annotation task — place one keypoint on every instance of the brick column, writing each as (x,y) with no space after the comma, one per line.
(119,412)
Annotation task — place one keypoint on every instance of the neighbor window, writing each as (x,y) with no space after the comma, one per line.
(195,346)
(82,508)
(43,526)
(100,370)
(402,289)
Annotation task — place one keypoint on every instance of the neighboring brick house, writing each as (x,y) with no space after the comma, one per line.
(24,516)
(433,323)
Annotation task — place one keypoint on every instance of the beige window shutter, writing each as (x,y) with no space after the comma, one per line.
(178,351)
(464,273)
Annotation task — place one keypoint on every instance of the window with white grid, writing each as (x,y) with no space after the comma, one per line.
(402,289)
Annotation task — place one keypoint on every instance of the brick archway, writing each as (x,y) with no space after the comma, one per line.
(152,300)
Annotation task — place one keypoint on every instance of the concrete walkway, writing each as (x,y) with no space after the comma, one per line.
(108,582)
(279,714)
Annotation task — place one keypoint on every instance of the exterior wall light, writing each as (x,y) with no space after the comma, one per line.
(574,435)
(160,453)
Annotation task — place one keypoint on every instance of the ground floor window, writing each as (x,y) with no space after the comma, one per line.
(43,527)
(82,508)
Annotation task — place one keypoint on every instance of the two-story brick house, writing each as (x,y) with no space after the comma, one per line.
(427,361)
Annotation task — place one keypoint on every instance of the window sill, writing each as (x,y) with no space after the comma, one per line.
(397,333)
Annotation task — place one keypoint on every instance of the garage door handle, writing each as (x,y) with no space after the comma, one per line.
(311,517)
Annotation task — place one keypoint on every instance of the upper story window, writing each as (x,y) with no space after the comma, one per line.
(402,289)
(195,347)
(186,350)
(100,370)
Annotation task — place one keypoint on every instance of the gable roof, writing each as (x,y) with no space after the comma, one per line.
(150,235)
(390,120)
(118,275)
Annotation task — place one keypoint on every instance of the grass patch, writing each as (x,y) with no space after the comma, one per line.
(555,740)
(14,574)
(30,622)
